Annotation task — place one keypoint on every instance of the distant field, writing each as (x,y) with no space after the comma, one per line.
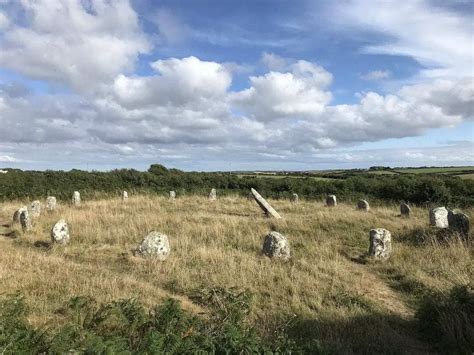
(382,172)
(282,176)
(435,170)
(466,176)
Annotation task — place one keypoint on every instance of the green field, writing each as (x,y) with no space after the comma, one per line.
(436,170)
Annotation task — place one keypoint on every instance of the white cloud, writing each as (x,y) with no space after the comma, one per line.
(376,75)
(170,28)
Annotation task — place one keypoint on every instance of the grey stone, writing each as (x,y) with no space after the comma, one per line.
(276,245)
(76,198)
(16,215)
(51,203)
(439,217)
(35,209)
(172,195)
(25,221)
(264,205)
(60,232)
(380,246)
(331,200)
(294,198)
(363,205)
(405,210)
(250,197)
(459,222)
(124,196)
(155,245)
(213,195)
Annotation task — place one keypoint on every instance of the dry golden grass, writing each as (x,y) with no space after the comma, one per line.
(218,244)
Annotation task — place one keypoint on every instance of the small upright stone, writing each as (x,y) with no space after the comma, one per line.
(380,243)
(363,205)
(155,245)
(264,205)
(172,195)
(439,217)
(124,196)
(459,222)
(405,210)
(213,195)
(25,221)
(276,245)
(17,214)
(294,198)
(331,200)
(76,198)
(60,232)
(250,197)
(35,209)
(51,203)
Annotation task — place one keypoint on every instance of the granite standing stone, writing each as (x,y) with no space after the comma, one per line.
(294,198)
(363,205)
(331,201)
(60,232)
(76,198)
(25,221)
(155,245)
(264,205)
(213,195)
(380,246)
(405,210)
(439,217)
(51,203)
(459,222)
(35,209)
(124,196)
(276,245)
(17,214)
(172,195)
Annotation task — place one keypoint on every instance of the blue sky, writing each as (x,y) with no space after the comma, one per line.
(241,85)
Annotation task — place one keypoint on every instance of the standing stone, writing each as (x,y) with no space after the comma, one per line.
(213,195)
(439,217)
(276,245)
(405,210)
(60,232)
(25,221)
(51,203)
(331,201)
(76,198)
(264,205)
(154,245)
(124,196)
(35,209)
(363,205)
(380,243)
(250,197)
(459,222)
(172,195)
(17,214)
(294,198)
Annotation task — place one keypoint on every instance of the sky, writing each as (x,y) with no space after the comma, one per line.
(209,85)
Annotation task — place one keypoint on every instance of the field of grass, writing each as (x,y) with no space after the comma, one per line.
(436,170)
(326,293)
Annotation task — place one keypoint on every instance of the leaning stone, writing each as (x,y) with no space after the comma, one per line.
(331,201)
(405,210)
(60,232)
(17,214)
(124,195)
(172,195)
(25,221)
(76,198)
(380,243)
(264,205)
(154,245)
(51,203)
(439,217)
(363,205)
(294,198)
(213,195)
(459,222)
(276,245)
(35,209)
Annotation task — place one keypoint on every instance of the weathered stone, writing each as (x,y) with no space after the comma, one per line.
(76,198)
(363,205)
(213,195)
(154,245)
(16,215)
(405,210)
(35,209)
(25,221)
(264,205)
(276,245)
(60,232)
(380,243)
(439,217)
(331,200)
(172,195)
(459,222)
(51,203)
(250,197)
(124,196)
(294,198)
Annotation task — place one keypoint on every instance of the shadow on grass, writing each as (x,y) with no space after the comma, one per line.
(431,236)
(41,244)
